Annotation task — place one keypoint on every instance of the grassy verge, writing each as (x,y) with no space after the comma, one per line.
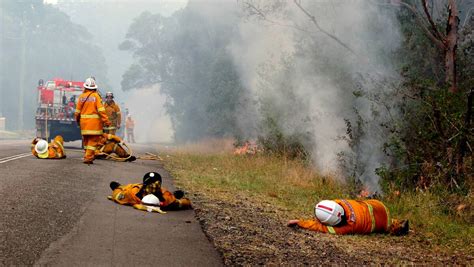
(293,187)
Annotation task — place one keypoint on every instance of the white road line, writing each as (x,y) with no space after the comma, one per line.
(14,156)
(10,158)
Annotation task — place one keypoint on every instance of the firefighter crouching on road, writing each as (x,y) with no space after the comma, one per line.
(113,113)
(110,144)
(134,194)
(54,150)
(342,217)
(91,116)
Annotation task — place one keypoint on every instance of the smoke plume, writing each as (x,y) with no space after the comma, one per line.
(282,52)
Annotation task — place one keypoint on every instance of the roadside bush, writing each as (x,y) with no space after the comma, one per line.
(434,145)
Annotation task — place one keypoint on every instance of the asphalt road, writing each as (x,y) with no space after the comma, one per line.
(56,212)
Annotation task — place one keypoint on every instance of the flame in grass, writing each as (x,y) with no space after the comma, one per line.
(248,148)
(364,193)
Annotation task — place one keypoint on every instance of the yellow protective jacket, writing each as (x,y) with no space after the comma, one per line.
(109,144)
(362,217)
(113,113)
(127,195)
(91,113)
(55,148)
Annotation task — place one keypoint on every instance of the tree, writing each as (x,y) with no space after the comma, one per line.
(40,42)
(446,42)
(186,55)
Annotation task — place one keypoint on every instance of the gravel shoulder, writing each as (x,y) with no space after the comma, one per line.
(250,232)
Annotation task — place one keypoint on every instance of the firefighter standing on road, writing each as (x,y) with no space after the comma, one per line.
(130,125)
(113,112)
(90,115)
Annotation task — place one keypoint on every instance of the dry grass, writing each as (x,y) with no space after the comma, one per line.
(206,146)
(293,187)
(288,184)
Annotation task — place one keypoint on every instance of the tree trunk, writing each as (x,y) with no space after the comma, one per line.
(451,46)
(463,145)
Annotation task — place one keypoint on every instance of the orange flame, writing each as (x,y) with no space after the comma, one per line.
(247,149)
(364,193)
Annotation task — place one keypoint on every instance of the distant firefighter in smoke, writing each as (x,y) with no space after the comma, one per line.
(130,126)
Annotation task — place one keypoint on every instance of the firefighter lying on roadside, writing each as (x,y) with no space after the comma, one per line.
(342,217)
(108,145)
(54,150)
(149,195)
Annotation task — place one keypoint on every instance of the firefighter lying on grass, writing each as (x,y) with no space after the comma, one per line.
(149,195)
(341,216)
(54,150)
(108,145)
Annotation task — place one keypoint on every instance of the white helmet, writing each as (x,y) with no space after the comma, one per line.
(90,83)
(151,200)
(42,148)
(329,212)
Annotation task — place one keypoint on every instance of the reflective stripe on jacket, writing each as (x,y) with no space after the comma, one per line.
(91,112)
(362,217)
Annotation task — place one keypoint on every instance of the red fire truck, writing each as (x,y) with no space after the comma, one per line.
(56,105)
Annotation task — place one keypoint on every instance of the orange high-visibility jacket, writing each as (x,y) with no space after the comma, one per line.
(129,124)
(114,115)
(91,112)
(172,203)
(55,148)
(362,217)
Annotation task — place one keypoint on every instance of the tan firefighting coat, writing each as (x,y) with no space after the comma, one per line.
(113,113)
(109,144)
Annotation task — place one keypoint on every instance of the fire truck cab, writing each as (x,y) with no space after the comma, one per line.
(56,105)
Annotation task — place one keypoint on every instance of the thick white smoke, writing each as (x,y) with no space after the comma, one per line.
(147,108)
(323,74)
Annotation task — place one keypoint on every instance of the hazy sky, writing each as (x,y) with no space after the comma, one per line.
(179,3)
(108,22)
